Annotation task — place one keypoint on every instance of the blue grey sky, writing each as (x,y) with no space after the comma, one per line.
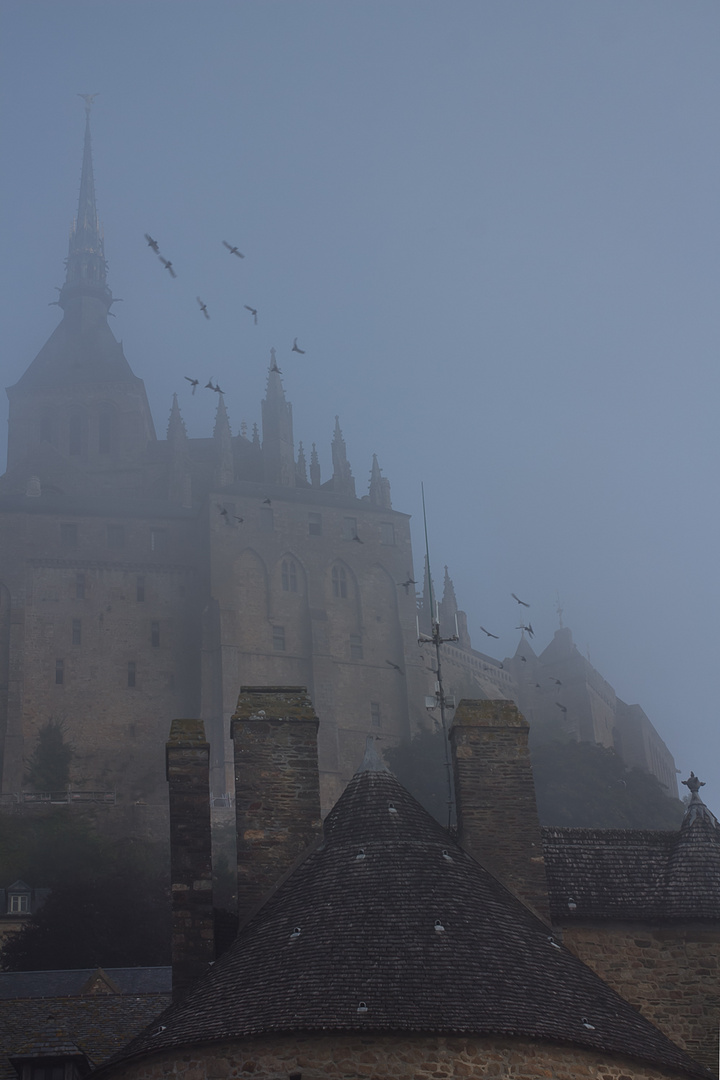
(493,227)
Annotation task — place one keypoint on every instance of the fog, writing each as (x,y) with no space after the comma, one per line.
(493,229)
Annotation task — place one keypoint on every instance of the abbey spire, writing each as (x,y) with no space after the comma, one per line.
(86,267)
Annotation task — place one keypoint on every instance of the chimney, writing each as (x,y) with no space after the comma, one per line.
(187,758)
(496,810)
(277,786)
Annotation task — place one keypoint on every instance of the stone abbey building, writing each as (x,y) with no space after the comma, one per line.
(146,578)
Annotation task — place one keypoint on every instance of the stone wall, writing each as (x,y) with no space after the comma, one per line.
(365,1057)
(671,974)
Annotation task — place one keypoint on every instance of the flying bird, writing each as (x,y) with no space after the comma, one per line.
(274,367)
(253,312)
(357,539)
(193,382)
(208,384)
(519,600)
(267,501)
(489,634)
(217,389)
(152,243)
(203,307)
(553,679)
(406,584)
(233,250)
(395,666)
(223,510)
(168,265)
(524,659)
(238,518)
(528,628)
(561,707)
(296,349)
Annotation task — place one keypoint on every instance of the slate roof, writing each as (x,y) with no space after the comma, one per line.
(388,925)
(55,984)
(96,1026)
(635,875)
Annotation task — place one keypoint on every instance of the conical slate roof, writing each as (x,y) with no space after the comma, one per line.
(388,925)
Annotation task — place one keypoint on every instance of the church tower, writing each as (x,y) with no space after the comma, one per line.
(78,415)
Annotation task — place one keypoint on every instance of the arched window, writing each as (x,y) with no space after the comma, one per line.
(289,576)
(106,429)
(77,443)
(339,581)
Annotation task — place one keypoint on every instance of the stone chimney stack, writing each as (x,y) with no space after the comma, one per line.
(496,810)
(277,786)
(187,757)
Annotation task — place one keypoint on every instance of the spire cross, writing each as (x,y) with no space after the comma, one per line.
(88,99)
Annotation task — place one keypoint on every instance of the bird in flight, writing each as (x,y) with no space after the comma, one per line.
(527,628)
(238,518)
(524,659)
(395,666)
(253,312)
(561,707)
(223,510)
(267,501)
(296,348)
(193,382)
(233,250)
(357,539)
(152,243)
(208,384)
(406,584)
(489,634)
(274,367)
(203,307)
(553,679)
(217,389)
(519,600)
(168,265)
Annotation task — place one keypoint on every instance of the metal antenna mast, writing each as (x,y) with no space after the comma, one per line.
(436,640)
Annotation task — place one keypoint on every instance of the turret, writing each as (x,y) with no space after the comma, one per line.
(222,435)
(314,467)
(301,467)
(342,480)
(179,489)
(277,429)
(379,487)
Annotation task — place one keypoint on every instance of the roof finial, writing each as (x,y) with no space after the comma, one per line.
(88,99)
(697,810)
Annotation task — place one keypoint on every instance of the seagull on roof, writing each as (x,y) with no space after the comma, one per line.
(489,634)
(193,382)
(233,250)
(519,600)
(168,265)
(203,307)
(296,348)
(253,312)
(152,243)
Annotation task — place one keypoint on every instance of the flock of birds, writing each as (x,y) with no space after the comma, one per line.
(233,250)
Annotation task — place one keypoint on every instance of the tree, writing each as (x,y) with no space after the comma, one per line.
(109,905)
(576,784)
(48,768)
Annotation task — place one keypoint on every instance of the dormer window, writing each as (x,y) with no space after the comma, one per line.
(18,904)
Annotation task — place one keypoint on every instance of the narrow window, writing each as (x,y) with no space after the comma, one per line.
(68,535)
(77,443)
(76,632)
(158,539)
(289,576)
(387,533)
(356,648)
(349,528)
(131,673)
(267,518)
(155,635)
(140,587)
(79,586)
(315,524)
(59,672)
(278,638)
(339,581)
(106,431)
(116,536)
(375,715)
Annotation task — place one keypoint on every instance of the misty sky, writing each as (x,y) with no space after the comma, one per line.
(493,226)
